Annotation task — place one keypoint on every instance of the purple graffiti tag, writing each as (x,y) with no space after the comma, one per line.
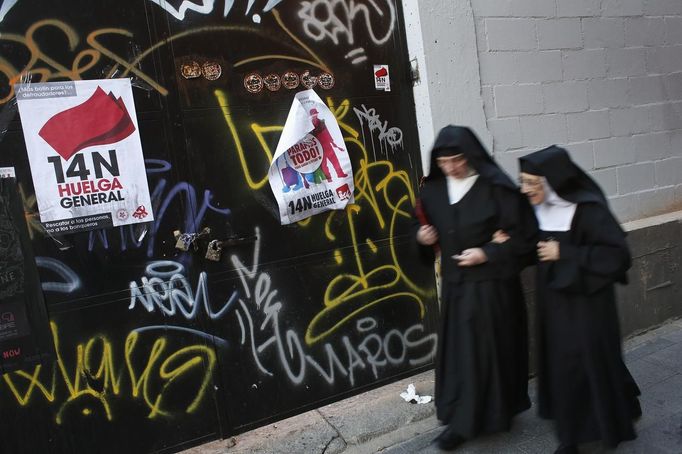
(183,192)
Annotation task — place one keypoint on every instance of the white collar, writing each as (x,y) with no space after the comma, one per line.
(554,213)
(458,187)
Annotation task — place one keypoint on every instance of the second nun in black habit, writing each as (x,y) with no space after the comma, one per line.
(583,383)
(482,357)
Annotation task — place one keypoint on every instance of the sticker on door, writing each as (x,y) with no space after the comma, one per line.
(382,81)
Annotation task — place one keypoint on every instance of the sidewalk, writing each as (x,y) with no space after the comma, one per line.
(380,421)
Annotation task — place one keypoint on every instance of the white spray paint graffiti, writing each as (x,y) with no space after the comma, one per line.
(165,287)
(387,137)
(331,19)
(70,280)
(218,341)
(6,6)
(375,351)
(206,7)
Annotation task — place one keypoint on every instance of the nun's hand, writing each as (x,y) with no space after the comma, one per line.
(471,257)
(548,251)
(500,237)
(427,235)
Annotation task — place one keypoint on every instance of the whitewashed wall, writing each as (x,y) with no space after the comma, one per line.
(602,78)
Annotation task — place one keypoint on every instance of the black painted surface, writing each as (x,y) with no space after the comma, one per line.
(653,294)
(159,349)
(24,332)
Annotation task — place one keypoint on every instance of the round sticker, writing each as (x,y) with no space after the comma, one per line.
(308,80)
(290,80)
(306,155)
(325,81)
(253,82)
(211,70)
(190,70)
(122,214)
(272,82)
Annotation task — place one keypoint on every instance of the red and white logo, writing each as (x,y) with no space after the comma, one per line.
(382,79)
(140,212)
(122,214)
(343,192)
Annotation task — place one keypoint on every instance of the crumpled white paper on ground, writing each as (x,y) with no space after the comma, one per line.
(412,397)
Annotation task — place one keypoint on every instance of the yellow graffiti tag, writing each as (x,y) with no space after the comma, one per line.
(350,294)
(47,68)
(383,194)
(31,215)
(33,383)
(86,59)
(93,377)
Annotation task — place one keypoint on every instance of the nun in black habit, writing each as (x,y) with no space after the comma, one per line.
(583,383)
(482,357)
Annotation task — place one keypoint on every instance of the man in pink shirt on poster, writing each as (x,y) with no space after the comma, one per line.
(322,134)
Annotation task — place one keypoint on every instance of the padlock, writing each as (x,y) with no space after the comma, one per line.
(214,251)
(185,240)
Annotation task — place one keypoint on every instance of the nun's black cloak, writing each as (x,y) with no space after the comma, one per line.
(482,357)
(583,383)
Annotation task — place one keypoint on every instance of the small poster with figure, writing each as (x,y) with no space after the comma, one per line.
(7,172)
(85,154)
(310,171)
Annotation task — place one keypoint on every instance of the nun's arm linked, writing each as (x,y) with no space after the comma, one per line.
(516,219)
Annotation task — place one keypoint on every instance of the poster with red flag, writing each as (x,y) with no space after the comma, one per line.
(85,154)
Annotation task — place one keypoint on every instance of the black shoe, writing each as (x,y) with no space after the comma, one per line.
(449,440)
(567,449)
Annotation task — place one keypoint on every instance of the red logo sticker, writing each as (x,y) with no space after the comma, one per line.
(140,213)
(343,192)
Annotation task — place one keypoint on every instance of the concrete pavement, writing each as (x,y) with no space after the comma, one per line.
(380,421)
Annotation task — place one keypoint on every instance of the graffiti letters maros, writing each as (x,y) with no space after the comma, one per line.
(365,348)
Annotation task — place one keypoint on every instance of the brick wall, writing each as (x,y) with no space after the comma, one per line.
(602,78)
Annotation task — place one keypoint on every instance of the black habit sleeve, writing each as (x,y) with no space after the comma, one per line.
(596,254)
(516,218)
(419,217)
